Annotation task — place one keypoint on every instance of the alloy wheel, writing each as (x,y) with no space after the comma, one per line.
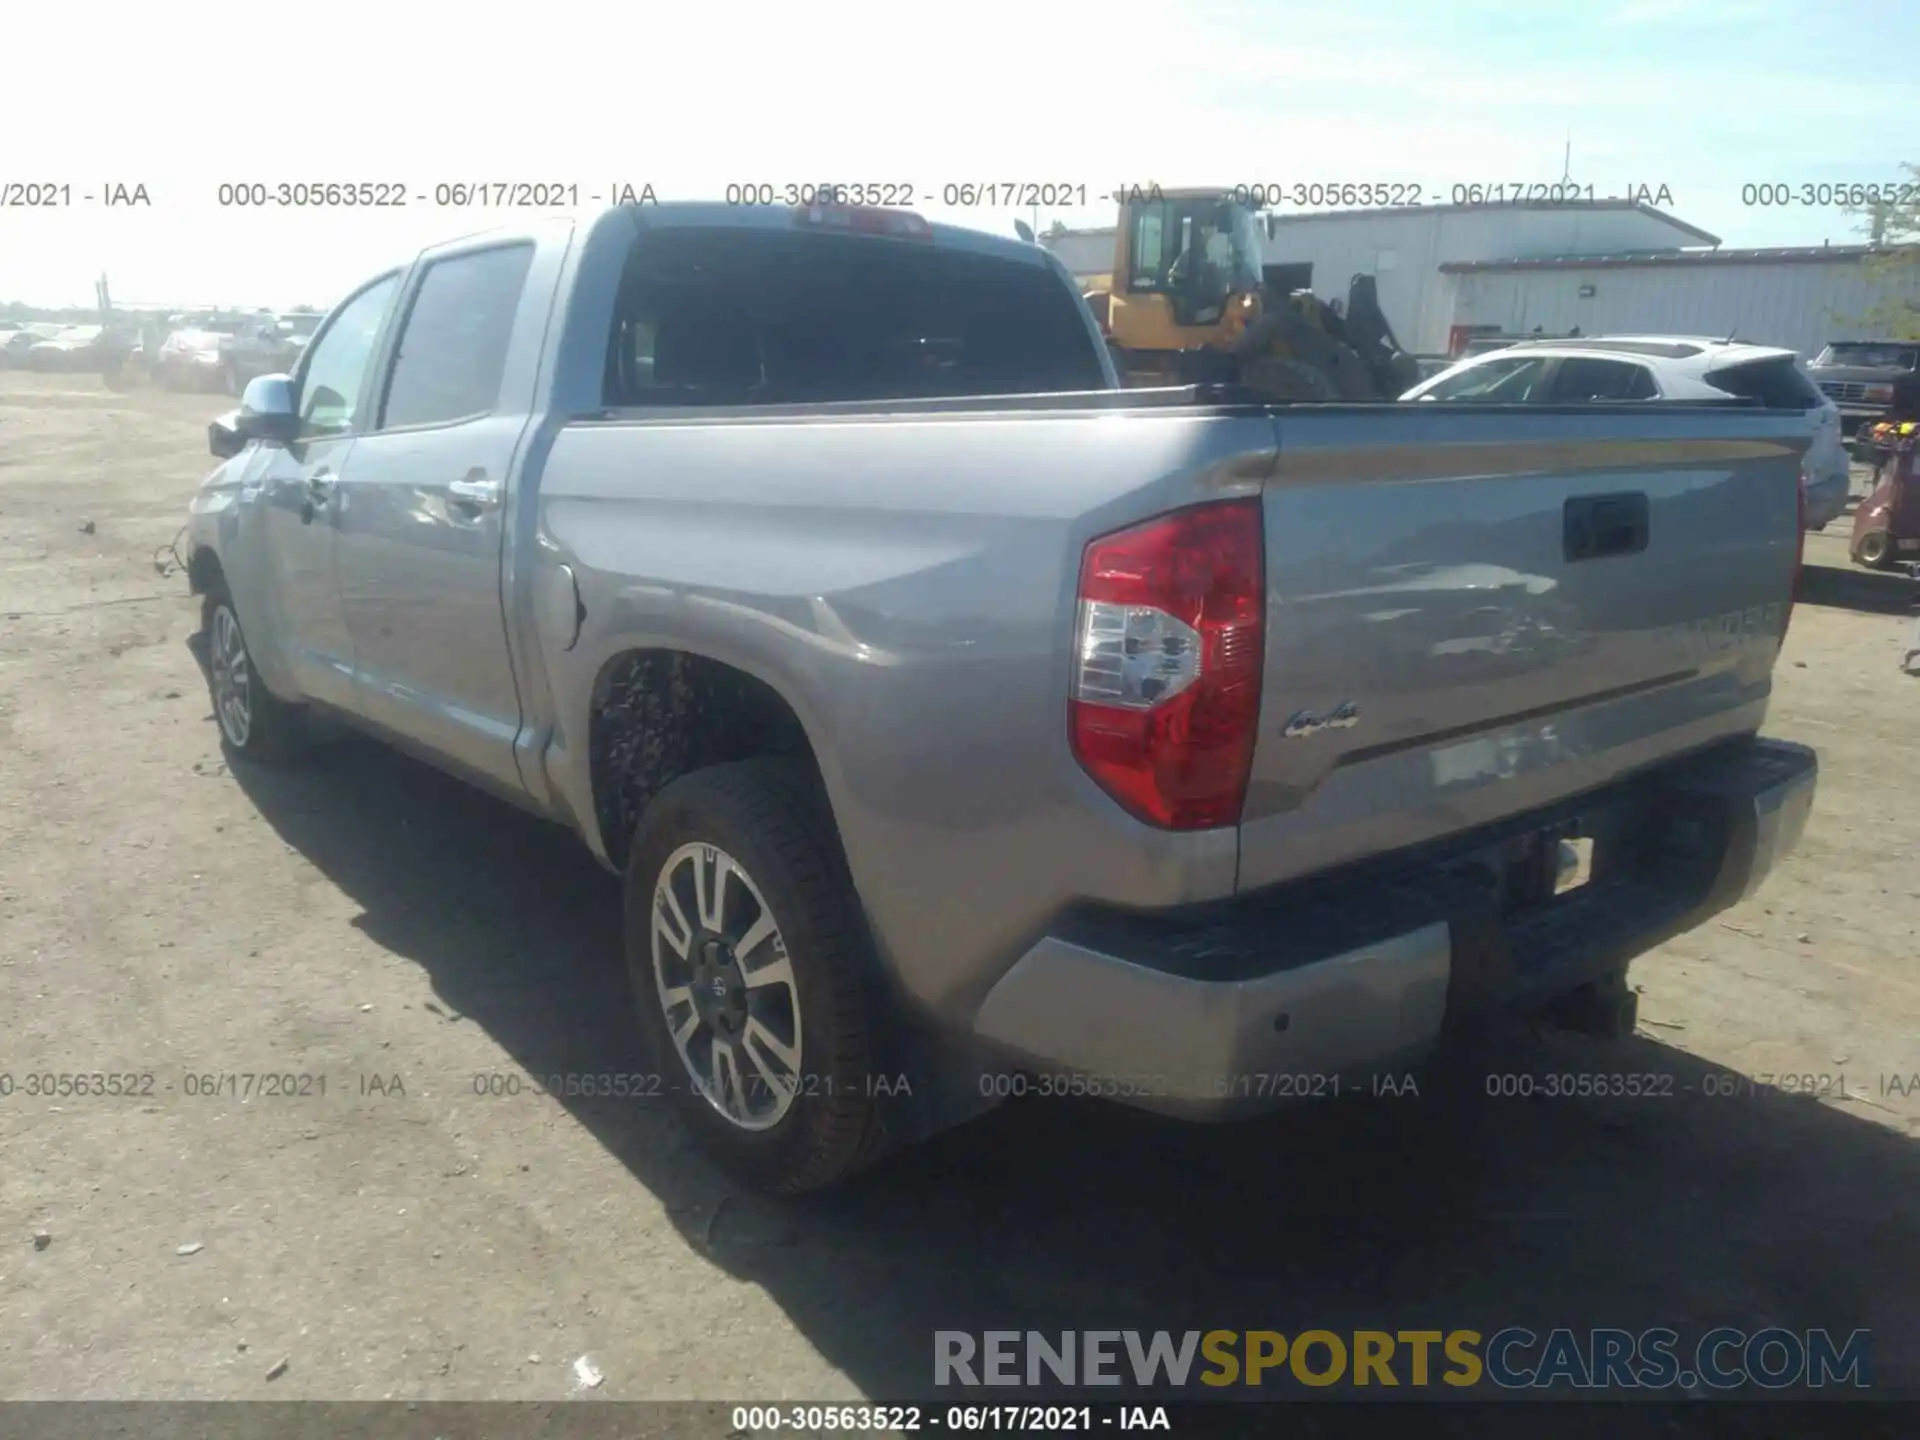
(232,679)
(725,985)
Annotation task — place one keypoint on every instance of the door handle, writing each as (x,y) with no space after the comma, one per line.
(319,492)
(475,490)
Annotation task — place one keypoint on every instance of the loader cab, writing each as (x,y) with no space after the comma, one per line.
(1198,251)
(1187,271)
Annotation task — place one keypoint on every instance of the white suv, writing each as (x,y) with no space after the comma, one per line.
(1657,367)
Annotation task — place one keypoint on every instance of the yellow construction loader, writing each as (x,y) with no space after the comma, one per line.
(1188,303)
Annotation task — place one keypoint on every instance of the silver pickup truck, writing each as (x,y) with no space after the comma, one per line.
(956,718)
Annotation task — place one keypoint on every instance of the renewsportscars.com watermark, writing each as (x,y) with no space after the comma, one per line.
(1511,1359)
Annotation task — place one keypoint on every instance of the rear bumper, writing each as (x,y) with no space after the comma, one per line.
(1242,1005)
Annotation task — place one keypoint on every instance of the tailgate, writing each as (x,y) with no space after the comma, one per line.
(1474,610)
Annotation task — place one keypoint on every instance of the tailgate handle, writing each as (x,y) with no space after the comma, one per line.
(1600,525)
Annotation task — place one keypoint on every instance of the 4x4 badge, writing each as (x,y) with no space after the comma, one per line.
(1305,722)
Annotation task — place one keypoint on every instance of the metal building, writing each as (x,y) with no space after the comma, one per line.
(1412,251)
(1799,298)
(1410,248)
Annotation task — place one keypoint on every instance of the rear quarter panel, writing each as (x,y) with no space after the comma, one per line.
(905,583)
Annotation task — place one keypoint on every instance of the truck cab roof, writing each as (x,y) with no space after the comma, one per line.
(711,215)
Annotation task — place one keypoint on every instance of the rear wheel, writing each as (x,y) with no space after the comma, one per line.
(254,723)
(749,963)
(1874,550)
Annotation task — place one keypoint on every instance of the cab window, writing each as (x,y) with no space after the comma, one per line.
(336,362)
(452,354)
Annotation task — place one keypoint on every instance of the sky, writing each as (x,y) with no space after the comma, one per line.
(1699,97)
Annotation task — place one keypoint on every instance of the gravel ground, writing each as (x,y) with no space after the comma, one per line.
(404,1235)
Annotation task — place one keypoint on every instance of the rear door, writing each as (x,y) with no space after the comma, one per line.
(422,512)
(1474,610)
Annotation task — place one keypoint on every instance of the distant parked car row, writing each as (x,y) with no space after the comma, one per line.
(1659,367)
(44,345)
(210,351)
(224,352)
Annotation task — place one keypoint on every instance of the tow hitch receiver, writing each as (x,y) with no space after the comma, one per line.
(1535,868)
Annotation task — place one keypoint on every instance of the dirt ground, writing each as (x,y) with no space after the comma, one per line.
(405,1235)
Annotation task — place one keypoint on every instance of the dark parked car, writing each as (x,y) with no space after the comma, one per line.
(1858,375)
(221,353)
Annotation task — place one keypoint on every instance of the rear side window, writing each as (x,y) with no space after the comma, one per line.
(453,344)
(746,317)
(1581,379)
(1776,384)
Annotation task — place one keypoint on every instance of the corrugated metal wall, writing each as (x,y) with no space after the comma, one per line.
(1405,251)
(1795,304)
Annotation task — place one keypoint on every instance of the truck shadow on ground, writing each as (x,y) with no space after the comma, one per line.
(1875,592)
(1688,1209)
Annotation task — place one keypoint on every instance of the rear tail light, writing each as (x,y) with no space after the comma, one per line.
(1169,645)
(865,221)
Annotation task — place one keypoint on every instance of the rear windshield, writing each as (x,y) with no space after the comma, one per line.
(1776,384)
(743,317)
(1878,357)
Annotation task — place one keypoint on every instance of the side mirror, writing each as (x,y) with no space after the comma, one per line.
(223,436)
(266,413)
(1024,231)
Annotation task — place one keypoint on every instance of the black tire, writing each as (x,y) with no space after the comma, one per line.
(1874,550)
(1287,380)
(769,817)
(274,731)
